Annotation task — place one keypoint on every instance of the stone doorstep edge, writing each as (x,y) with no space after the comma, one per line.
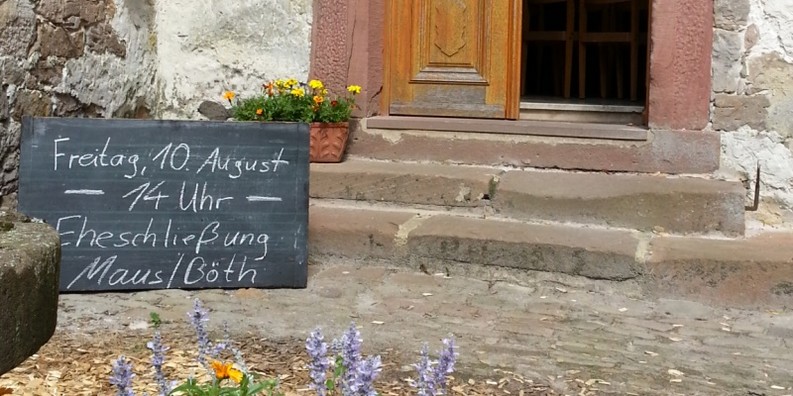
(698,268)
(634,201)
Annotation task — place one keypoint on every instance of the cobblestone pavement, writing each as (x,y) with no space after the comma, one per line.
(554,329)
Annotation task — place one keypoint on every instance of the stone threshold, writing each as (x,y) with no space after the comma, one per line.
(511,127)
(664,151)
(741,272)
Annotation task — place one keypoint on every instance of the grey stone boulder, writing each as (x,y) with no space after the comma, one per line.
(214,111)
(30,255)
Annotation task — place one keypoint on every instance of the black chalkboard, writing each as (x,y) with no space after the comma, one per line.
(144,204)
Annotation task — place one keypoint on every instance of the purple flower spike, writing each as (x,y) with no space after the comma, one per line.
(317,350)
(365,376)
(432,380)
(351,346)
(122,377)
(157,361)
(351,357)
(445,366)
(426,377)
(198,317)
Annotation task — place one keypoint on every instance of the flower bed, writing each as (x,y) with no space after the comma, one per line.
(77,363)
(346,372)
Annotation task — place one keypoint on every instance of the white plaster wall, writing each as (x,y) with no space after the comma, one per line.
(743,149)
(774,20)
(770,23)
(206,47)
(118,85)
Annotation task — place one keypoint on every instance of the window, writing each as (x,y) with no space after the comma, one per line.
(584,60)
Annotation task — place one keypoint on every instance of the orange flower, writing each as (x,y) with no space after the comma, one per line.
(334,103)
(269,87)
(228,95)
(318,99)
(259,112)
(226,370)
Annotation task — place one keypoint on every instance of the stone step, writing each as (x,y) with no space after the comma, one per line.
(745,271)
(554,145)
(636,201)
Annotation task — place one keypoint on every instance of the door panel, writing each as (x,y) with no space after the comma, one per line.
(454,58)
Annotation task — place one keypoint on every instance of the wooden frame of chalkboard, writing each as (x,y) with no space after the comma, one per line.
(150,204)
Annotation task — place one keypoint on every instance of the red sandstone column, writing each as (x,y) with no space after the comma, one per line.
(347,48)
(681,46)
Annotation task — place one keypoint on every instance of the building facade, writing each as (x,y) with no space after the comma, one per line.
(715,79)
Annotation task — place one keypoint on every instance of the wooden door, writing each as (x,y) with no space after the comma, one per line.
(453,58)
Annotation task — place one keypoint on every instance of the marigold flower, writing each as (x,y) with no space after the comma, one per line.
(299,92)
(354,89)
(259,112)
(316,84)
(269,88)
(334,103)
(318,99)
(226,370)
(229,95)
(290,83)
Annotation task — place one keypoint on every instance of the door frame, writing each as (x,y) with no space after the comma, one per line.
(349,46)
(512,103)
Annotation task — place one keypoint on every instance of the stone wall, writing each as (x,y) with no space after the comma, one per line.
(753,91)
(137,58)
(206,47)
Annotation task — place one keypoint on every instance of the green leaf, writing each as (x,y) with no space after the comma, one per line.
(189,388)
(154,317)
(340,369)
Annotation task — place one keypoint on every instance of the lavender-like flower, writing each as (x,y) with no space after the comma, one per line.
(432,380)
(367,371)
(317,350)
(157,360)
(426,377)
(228,344)
(446,359)
(351,357)
(198,317)
(122,377)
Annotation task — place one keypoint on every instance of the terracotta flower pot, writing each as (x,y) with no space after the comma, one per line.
(328,141)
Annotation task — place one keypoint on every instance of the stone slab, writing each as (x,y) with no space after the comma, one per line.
(29,271)
(643,202)
(427,184)
(665,151)
(739,272)
(594,253)
(352,232)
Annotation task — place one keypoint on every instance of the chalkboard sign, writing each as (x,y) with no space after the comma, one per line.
(170,204)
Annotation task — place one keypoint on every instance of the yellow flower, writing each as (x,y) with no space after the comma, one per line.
(259,112)
(228,95)
(318,99)
(226,370)
(315,84)
(354,89)
(299,92)
(291,83)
